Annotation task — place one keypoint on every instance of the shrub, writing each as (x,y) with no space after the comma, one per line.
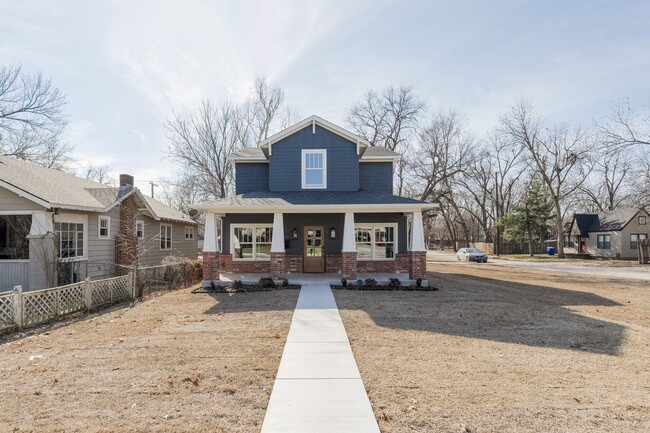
(359,282)
(418,282)
(344,282)
(371,282)
(213,286)
(236,286)
(394,282)
(267,283)
(285,282)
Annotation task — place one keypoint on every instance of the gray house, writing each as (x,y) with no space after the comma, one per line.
(607,234)
(56,228)
(314,198)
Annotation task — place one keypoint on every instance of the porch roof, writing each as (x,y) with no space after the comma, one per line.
(314,201)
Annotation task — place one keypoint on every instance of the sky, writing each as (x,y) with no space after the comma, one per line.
(125,65)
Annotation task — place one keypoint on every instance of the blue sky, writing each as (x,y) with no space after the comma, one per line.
(125,65)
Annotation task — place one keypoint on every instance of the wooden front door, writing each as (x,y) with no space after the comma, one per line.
(314,256)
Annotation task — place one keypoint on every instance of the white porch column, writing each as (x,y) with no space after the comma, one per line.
(41,224)
(42,252)
(417,233)
(349,245)
(277,239)
(210,244)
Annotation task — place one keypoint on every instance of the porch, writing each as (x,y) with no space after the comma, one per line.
(316,278)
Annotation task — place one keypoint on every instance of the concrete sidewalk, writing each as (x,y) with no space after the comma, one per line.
(318,388)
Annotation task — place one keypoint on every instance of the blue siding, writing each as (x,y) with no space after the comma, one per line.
(376,176)
(342,160)
(251,177)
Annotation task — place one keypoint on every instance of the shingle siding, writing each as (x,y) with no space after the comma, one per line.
(251,177)
(376,176)
(342,160)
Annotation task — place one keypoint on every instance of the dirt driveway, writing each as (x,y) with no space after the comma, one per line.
(179,362)
(501,349)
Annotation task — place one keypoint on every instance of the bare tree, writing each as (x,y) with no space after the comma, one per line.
(557,154)
(608,185)
(267,104)
(388,119)
(32,119)
(99,173)
(625,127)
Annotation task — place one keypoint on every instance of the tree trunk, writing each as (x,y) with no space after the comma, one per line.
(530,243)
(559,227)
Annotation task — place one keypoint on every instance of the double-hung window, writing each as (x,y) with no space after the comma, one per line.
(376,241)
(71,240)
(189,233)
(314,168)
(139,229)
(604,242)
(636,238)
(251,241)
(165,236)
(104,227)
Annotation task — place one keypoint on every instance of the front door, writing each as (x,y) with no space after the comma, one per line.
(314,259)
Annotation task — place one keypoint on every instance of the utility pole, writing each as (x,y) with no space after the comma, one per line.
(497,248)
(152,185)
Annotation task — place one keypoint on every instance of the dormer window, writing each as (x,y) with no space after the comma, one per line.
(314,168)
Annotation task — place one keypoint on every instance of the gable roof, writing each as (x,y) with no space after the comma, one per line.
(55,189)
(605,221)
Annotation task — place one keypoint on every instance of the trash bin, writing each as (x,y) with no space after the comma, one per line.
(550,251)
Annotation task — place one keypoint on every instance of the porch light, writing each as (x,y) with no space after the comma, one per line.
(332,233)
(294,233)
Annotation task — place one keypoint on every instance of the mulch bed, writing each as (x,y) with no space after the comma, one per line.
(245,288)
(386,288)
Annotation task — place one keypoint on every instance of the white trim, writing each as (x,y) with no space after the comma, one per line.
(314,120)
(379,158)
(254,227)
(317,208)
(305,152)
(136,229)
(24,194)
(373,227)
(74,219)
(171,237)
(18,212)
(191,232)
(99,226)
(247,160)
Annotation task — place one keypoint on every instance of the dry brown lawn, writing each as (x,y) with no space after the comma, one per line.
(179,362)
(501,349)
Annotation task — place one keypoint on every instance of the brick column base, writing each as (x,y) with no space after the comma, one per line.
(278,265)
(349,265)
(417,265)
(211,265)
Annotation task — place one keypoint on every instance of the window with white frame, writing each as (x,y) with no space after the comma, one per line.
(642,220)
(165,236)
(636,238)
(189,233)
(251,241)
(104,227)
(604,242)
(139,229)
(314,168)
(376,241)
(71,239)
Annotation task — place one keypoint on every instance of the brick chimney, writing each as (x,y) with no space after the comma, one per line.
(126,180)
(126,241)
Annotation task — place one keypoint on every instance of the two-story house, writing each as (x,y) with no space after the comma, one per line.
(314,198)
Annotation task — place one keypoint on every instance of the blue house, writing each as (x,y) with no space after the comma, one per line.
(314,198)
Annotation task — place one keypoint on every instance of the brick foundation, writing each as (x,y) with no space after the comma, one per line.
(417,265)
(211,261)
(349,265)
(278,265)
(402,263)
(333,263)
(293,263)
(227,264)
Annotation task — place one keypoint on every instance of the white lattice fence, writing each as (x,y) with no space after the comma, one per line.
(7,310)
(23,309)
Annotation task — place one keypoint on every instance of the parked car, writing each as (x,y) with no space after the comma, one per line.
(471,255)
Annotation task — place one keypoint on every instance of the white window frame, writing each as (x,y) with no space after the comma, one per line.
(171,237)
(303,169)
(189,230)
(254,227)
(73,219)
(101,218)
(373,238)
(638,239)
(641,218)
(603,243)
(139,223)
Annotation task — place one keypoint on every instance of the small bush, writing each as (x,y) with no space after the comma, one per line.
(359,282)
(371,282)
(285,282)
(418,282)
(344,282)
(213,286)
(394,282)
(267,283)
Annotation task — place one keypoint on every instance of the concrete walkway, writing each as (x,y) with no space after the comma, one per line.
(318,388)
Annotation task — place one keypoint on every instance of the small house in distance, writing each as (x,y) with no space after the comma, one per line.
(56,228)
(314,198)
(615,233)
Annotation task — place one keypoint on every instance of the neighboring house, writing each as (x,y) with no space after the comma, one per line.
(607,234)
(56,228)
(314,198)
